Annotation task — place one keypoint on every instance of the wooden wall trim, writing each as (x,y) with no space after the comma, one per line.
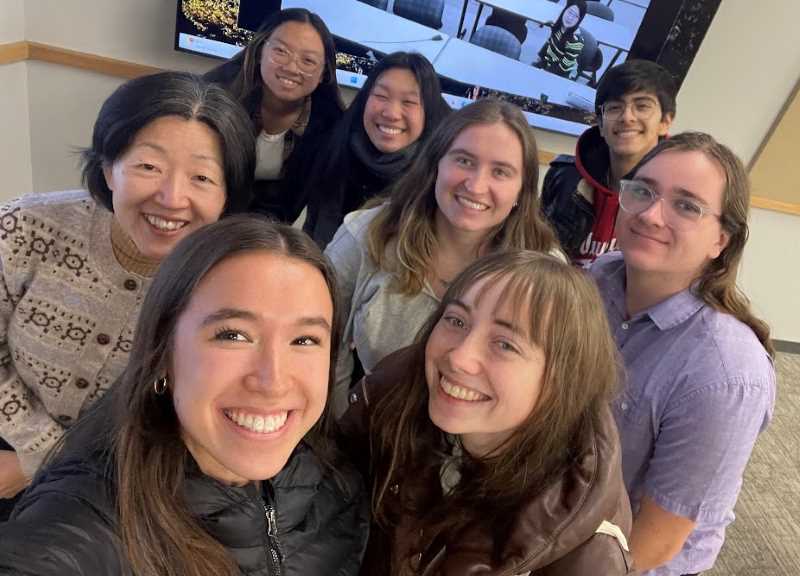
(13,52)
(775,205)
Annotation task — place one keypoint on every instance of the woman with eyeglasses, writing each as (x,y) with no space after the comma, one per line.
(286,80)
(700,383)
(560,52)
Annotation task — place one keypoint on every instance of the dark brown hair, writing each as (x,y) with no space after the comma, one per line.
(717,283)
(567,320)
(407,221)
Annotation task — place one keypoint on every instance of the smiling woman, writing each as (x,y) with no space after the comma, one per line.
(170,153)
(213,453)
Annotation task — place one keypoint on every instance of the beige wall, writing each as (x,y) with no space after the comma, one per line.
(732,91)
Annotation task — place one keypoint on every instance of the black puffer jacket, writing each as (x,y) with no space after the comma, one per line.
(66,525)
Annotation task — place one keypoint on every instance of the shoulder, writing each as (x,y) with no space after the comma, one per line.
(358,222)
(52,204)
(608,266)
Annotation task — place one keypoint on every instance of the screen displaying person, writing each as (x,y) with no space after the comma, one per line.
(635,105)
(700,383)
(170,153)
(286,79)
(490,441)
(213,453)
(395,111)
(560,52)
(471,190)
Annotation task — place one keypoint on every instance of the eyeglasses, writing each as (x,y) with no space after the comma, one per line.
(636,197)
(642,108)
(306,65)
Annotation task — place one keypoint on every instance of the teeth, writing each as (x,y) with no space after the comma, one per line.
(257,423)
(164,224)
(389,130)
(460,392)
(288,82)
(471,204)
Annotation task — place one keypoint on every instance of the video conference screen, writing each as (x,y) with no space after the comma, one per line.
(462,41)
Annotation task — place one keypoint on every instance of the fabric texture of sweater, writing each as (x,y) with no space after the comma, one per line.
(68,310)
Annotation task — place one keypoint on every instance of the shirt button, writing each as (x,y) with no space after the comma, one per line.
(103,339)
(64,418)
(625,325)
(82,383)
(130,284)
(394,489)
(353,398)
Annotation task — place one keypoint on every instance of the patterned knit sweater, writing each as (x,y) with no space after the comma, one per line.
(67,315)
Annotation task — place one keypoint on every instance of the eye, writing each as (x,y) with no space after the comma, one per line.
(280,51)
(645,106)
(463,161)
(231,335)
(307,341)
(410,103)
(507,346)
(146,166)
(613,109)
(502,173)
(454,321)
(204,179)
(310,62)
(641,192)
(687,208)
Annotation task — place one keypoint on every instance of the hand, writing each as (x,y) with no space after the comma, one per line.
(12,479)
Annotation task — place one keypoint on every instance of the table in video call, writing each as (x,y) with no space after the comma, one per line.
(542,11)
(373,27)
(498,72)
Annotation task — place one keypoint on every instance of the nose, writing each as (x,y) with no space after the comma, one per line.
(465,355)
(478,182)
(391,110)
(174,192)
(267,373)
(654,214)
(627,113)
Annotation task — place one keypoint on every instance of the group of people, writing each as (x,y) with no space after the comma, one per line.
(473,377)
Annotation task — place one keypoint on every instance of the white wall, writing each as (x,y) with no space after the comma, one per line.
(15,148)
(732,90)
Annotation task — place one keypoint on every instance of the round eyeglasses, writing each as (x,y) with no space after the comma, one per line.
(307,65)
(641,108)
(636,196)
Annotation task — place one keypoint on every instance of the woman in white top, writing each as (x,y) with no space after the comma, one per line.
(471,190)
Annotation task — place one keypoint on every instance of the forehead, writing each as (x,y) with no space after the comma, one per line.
(298,35)
(174,133)
(493,142)
(397,79)
(691,170)
(637,95)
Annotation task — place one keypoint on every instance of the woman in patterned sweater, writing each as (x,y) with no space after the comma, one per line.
(170,153)
(560,53)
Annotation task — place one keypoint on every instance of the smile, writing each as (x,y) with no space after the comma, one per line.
(471,204)
(256,422)
(461,392)
(389,130)
(288,82)
(647,237)
(164,225)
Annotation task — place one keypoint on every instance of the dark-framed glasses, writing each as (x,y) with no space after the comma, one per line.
(641,108)
(307,64)
(637,196)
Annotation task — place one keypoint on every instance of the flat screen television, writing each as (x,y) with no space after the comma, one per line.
(474,58)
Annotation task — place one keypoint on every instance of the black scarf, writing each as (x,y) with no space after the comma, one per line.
(383,165)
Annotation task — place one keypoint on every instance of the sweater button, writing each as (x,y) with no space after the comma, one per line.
(103,339)
(82,383)
(394,489)
(131,284)
(64,418)
(353,398)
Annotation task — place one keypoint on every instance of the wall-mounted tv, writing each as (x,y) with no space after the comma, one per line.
(478,47)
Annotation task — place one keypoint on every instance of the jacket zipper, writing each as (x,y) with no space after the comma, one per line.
(272,539)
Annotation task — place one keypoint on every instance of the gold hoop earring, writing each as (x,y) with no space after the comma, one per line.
(160,385)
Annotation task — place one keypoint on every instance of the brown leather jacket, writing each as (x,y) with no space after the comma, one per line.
(578,527)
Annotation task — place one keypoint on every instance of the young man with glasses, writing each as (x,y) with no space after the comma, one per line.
(699,381)
(635,104)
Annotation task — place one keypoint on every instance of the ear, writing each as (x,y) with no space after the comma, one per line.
(108,174)
(664,125)
(721,243)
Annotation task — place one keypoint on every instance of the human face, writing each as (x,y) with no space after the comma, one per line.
(651,243)
(167,184)
(636,130)
(394,116)
(286,82)
(479,178)
(483,370)
(571,16)
(250,362)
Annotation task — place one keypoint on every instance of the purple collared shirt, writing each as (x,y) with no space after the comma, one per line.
(699,389)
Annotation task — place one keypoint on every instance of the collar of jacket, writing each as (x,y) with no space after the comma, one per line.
(592,159)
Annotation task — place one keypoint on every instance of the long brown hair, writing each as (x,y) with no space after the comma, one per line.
(568,322)
(406,223)
(137,432)
(717,283)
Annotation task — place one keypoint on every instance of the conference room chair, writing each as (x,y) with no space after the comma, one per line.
(514,23)
(426,12)
(590,60)
(599,10)
(382,4)
(497,40)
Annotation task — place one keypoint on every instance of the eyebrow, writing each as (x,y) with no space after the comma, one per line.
(471,155)
(414,92)
(305,51)
(678,189)
(238,314)
(161,150)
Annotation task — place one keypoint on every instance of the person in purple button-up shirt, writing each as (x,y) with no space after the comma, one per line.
(700,383)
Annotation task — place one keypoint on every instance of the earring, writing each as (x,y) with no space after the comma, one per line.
(515,204)
(160,386)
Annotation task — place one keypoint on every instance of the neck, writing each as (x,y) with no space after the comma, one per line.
(463,246)
(278,115)
(128,255)
(644,289)
(619,167)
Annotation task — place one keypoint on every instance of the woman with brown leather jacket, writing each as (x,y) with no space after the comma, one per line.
(489,443)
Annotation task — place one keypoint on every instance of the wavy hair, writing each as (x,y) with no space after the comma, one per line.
(566,319)
(717,283)
(402,237)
